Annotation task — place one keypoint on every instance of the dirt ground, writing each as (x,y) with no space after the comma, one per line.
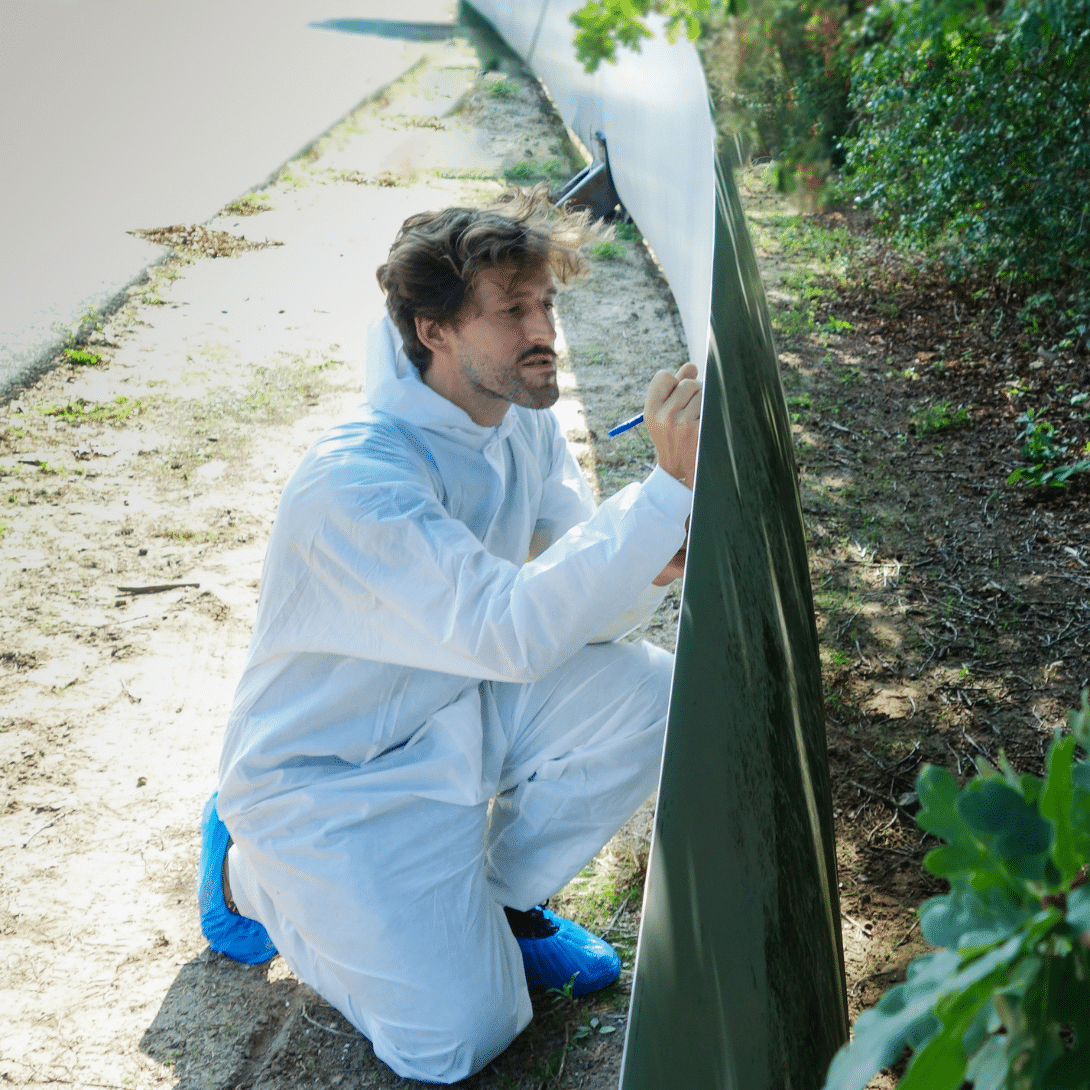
(953,608)
(140,477)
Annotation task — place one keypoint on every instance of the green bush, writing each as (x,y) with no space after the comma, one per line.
(786,79)
(1005,1005)
(1042,450)
(972,133)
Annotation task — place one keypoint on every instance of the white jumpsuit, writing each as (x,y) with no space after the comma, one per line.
(408,664)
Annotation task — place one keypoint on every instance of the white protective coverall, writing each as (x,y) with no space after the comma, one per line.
(408,664)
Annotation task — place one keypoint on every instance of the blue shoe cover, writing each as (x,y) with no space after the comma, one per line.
(236,936)
(570,955)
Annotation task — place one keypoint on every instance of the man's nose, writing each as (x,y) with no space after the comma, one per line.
(539,326)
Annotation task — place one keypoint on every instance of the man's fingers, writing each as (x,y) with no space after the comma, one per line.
(673,393)
(672,415)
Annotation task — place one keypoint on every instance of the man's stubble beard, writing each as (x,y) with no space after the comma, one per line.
(512,387)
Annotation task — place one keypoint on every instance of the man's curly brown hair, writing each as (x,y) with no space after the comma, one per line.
(438,256)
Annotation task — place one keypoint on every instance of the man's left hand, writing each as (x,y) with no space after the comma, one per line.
(673,570)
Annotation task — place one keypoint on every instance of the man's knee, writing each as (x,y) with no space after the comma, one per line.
(470,1035)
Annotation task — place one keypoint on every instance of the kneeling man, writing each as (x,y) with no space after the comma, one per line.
(435,730)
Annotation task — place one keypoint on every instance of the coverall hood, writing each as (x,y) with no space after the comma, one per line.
(394,386)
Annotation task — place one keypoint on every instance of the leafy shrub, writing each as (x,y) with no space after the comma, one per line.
(1006,1004)
(1042,450)
(972,132)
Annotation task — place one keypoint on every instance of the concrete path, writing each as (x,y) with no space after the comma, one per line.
(123,114)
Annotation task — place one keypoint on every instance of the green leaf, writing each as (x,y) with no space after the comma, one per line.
(1078,909)
(940,1064)
(938,793)
(953,860)
(1069,1072)
(968,917)
(987,1069)
(1079,720)
(904,1015)
(882,1032)
(995,808)
(1056,804)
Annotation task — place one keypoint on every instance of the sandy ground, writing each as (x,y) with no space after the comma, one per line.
(139,484)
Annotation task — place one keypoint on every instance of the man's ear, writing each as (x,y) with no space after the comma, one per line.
(432,335)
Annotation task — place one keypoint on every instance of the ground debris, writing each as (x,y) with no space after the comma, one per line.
(199,241)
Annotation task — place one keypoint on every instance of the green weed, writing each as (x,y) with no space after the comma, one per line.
(608,250)
(1040,448)
(928,419)
(117,411)
(469,174)
(82,356)
(526,170)
(594,353)
(190,537)
(593,1026)
(798,404)
(503,88)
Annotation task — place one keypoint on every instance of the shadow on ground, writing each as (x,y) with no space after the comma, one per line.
(224,1025)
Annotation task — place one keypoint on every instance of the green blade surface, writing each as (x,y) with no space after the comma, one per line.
(739,974)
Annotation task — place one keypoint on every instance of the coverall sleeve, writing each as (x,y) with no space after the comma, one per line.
(567,501)
(378,569)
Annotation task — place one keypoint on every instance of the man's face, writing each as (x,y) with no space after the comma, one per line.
(500,351)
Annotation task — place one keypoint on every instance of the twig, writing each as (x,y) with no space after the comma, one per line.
(906,935)
(63,813)
(38,1076)
(894,851)
(616,916)
(955,754)
(912,752)
(125,690)
(154,588)
(888,825)
(881,764)
(840,427)
(878,795)
(563,1055)
(848,623)
(974,742)
(860,927)
(328,1029)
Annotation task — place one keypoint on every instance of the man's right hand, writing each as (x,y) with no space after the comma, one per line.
(671,414)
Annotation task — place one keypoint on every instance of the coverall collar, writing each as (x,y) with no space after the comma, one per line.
(394,386)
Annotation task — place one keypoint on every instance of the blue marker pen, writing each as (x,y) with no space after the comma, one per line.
(634,422)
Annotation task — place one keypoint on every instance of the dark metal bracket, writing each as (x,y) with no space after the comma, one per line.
(593,188)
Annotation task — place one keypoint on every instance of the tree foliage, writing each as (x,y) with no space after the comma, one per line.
(971,132)
(1005,1004)
(602,25)
(963,124)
